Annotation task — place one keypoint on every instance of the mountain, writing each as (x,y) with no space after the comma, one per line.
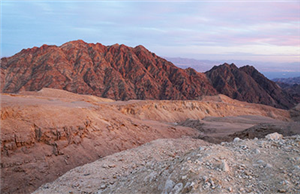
(270,70)
(290,85)
(247,84)
(120,72)
(291,80)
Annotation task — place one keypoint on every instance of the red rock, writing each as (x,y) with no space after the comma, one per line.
(118,72)
(247,84)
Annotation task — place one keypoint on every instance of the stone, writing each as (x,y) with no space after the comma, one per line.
(177,188)
(257,151)
(268,165)
(237,139)
(274,136)
(282,190)
(260,161)
(168,186)
(103,186)
(224,166)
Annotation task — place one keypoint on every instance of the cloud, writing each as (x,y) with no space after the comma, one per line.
(192,28)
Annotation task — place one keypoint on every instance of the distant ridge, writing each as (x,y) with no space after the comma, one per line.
(290,85)
(120,72)
(291,80)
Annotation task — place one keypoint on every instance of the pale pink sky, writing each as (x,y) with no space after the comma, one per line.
(214,30)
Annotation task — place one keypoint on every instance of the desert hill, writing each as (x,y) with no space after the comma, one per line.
(120,72)
(46,133)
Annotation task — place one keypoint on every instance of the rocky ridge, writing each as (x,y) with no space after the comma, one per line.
(290,81)
(120,72)
(290,85)
(117,72)
(268,165)
(247,84)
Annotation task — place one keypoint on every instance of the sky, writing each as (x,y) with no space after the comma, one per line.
(255,30)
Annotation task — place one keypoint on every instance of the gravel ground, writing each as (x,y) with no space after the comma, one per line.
(268,165)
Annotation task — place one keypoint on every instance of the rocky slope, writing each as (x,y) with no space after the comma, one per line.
(121,73)
(269,165)
(46,133)
(247,84)
(116,72)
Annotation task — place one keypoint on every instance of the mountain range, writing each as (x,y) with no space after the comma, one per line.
(122,73)
(270,69)
(290,85)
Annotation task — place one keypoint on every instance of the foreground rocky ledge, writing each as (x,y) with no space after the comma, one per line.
(269,165)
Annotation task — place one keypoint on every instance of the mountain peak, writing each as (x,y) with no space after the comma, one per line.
(227,66)
(140,47)
(117,72)
(73,43)
(79,41)
(232,65)
(249,69)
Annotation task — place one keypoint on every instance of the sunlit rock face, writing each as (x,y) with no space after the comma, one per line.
(117,72)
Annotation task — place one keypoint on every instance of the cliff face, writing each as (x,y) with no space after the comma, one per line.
(117,72)
(122,73)
(247,84)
